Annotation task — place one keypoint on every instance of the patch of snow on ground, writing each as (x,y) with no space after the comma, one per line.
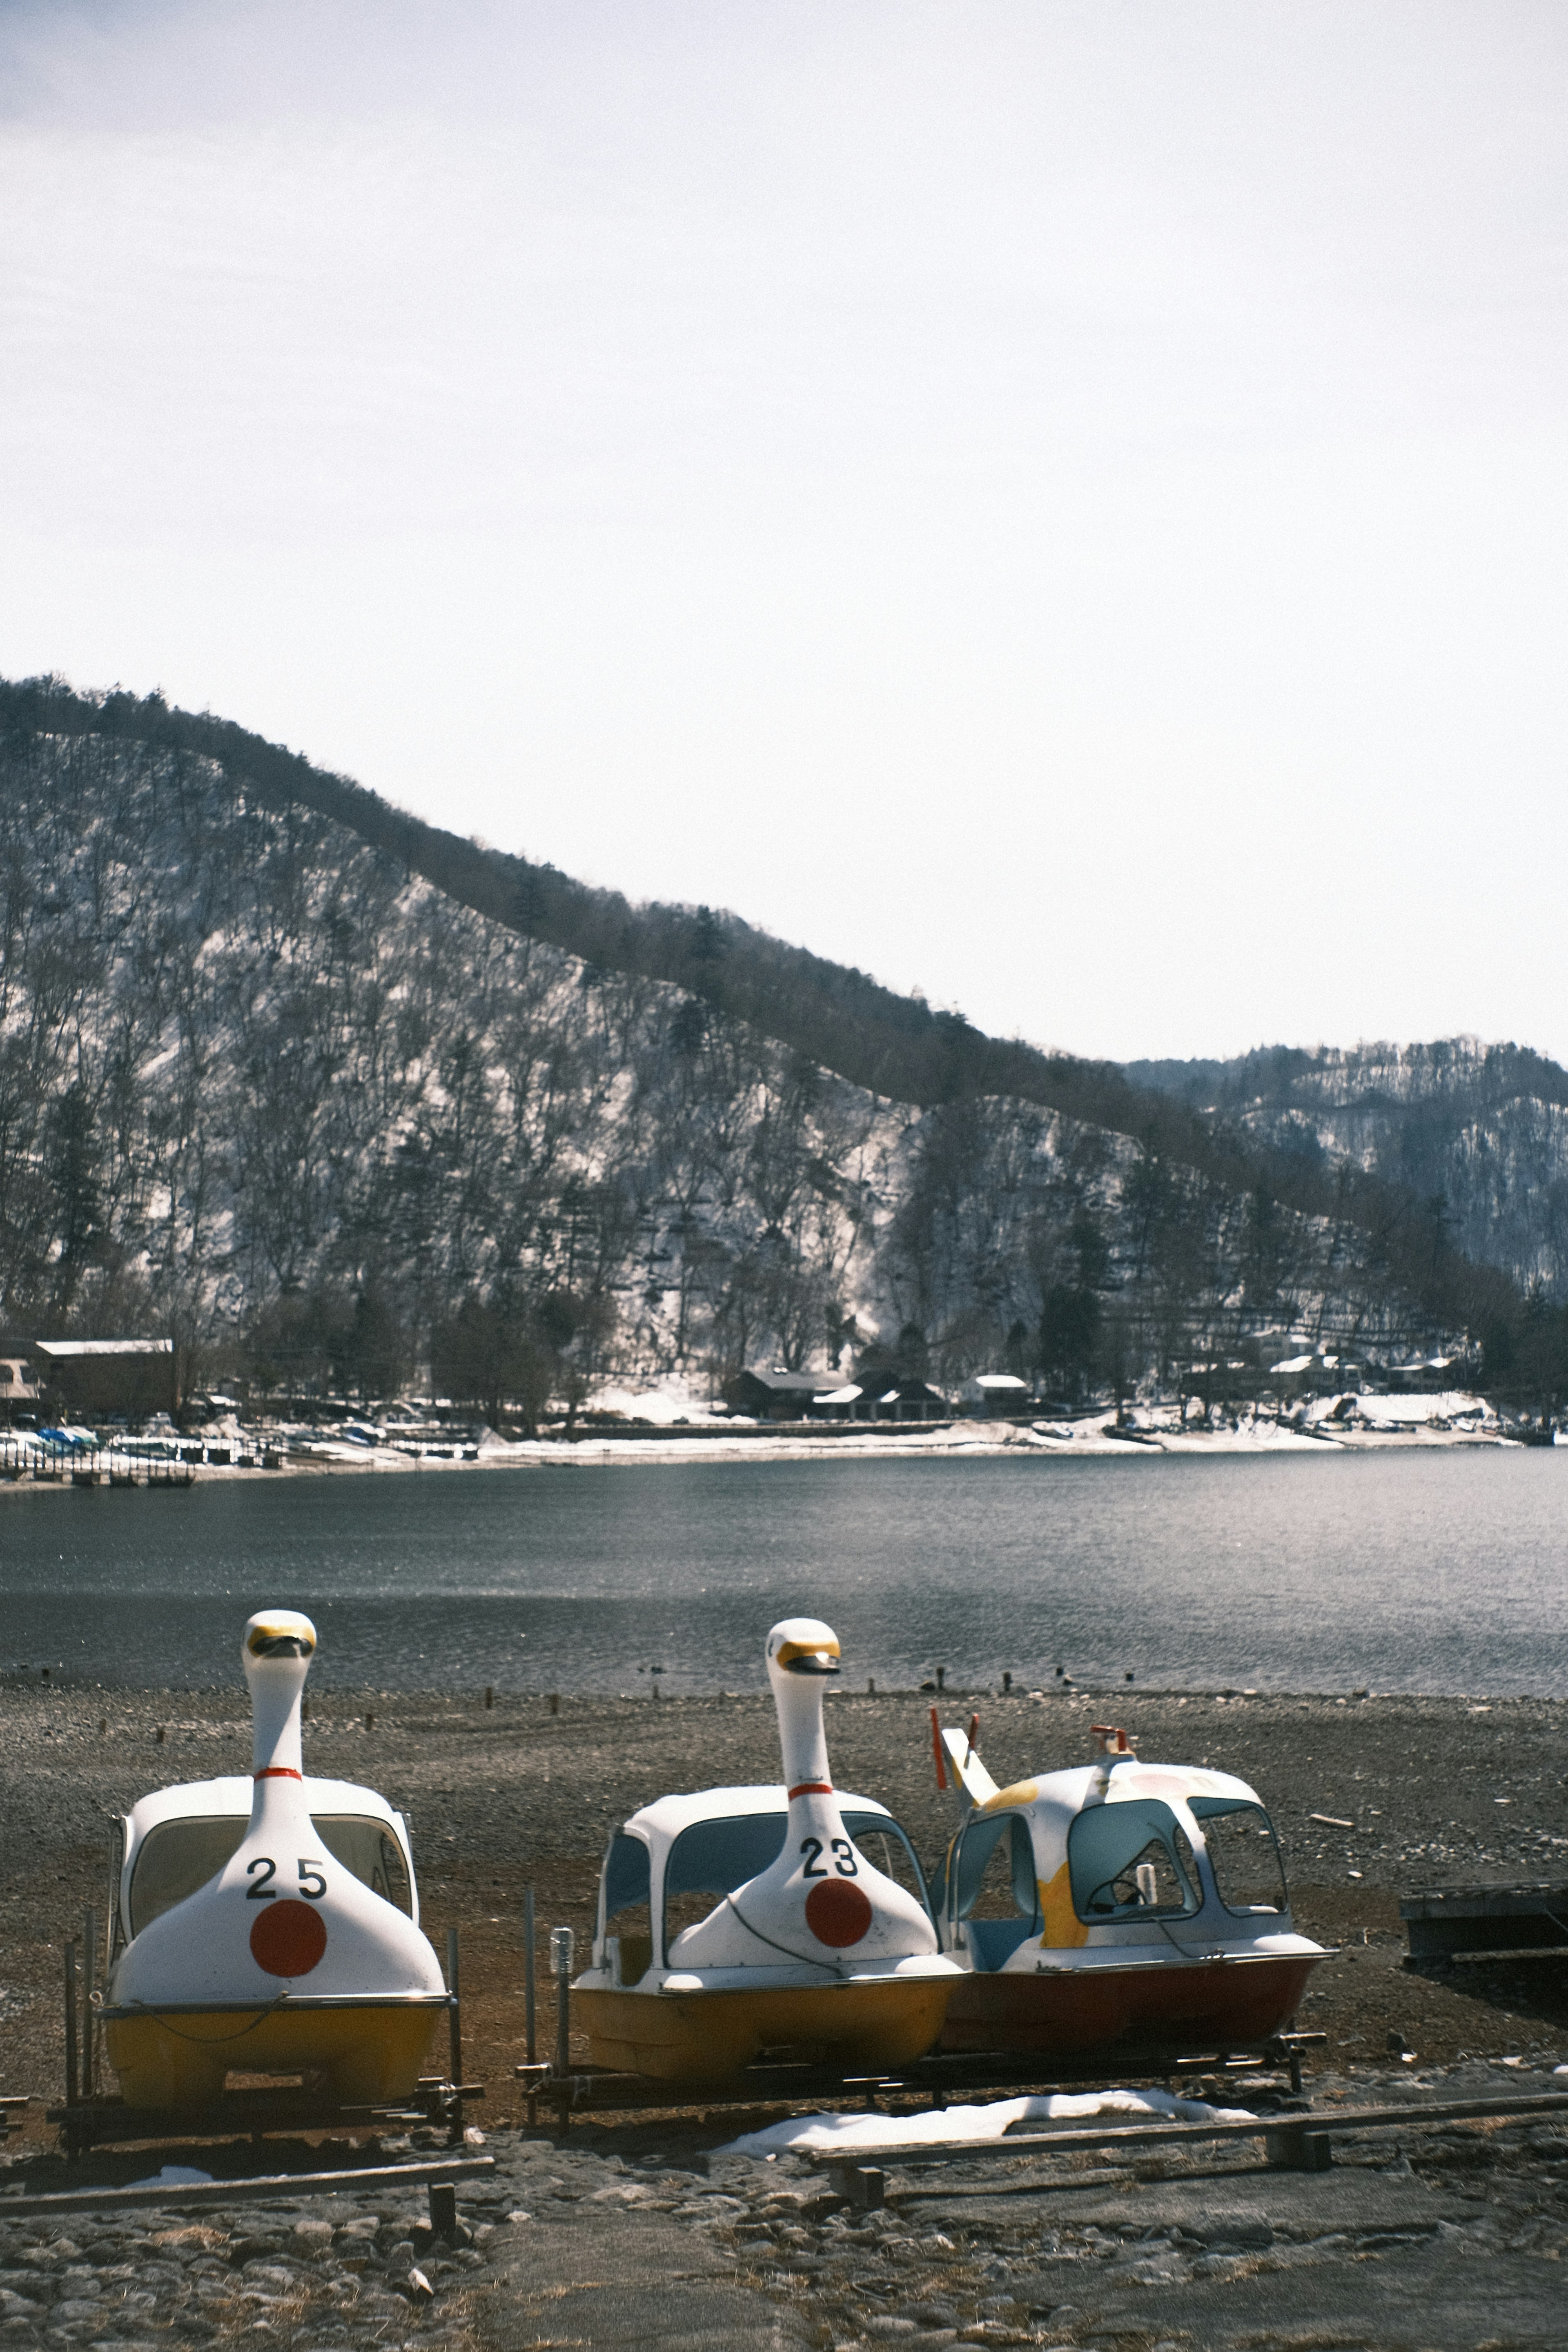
(1415,1411)
(970,2126)
(663,1404)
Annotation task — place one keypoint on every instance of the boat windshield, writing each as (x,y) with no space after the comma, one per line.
(1244,1854)
(1130,1859)
(712,1858)
(994,1887)
(628,1909)
(625,1875)
(995,1873)
(178,1856)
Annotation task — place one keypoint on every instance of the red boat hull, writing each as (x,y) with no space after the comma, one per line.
(1071,2013)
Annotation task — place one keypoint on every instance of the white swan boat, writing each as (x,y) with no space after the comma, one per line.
(1116,1904)
(810,1946)
(291,1953)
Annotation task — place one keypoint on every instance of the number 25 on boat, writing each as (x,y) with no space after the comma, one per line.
(284,1961)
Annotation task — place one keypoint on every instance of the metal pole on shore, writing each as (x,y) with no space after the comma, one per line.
(71,2077)
(88,1957)
(562,1946)
(529,1994)
(454,2021)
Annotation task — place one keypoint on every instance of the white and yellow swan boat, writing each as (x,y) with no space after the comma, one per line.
(809,1949)
(1115,1905)
(289,1953)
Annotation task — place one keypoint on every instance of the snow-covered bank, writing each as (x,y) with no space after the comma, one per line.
(982,1440)
(1098,1438)
(665,1426)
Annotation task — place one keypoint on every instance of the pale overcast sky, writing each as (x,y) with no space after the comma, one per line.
(1060,505)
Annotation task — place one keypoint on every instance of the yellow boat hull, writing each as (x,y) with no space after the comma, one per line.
(706,2037)
(370,2054)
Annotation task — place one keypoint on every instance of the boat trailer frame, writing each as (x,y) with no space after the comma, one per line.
(939,2079)
(1524,1917)
(92,2118)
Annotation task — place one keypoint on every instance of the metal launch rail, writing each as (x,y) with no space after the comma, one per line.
(935,2080)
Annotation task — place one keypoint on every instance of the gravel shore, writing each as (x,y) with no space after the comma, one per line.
(1437,1791)
(1449,2238)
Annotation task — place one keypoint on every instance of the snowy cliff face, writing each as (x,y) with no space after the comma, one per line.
(1482,1128)
(246,1059)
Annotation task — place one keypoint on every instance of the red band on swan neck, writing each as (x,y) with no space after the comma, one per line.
(277,1772)
(812,1789)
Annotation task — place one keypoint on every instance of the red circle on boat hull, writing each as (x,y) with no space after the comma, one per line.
(288,1938)
(838,1913)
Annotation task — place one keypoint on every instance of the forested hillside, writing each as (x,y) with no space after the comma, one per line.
(329,1094)
(1479,1131)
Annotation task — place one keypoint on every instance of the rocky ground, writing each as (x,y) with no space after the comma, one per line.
(1449,2238)
(1401,2245)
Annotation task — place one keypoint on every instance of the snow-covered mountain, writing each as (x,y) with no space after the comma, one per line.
(266,1086)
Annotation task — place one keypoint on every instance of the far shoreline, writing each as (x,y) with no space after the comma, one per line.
(958,1441)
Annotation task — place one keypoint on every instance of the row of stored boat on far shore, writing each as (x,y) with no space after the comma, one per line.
(272,1924)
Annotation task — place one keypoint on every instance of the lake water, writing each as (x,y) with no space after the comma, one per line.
(1438,1571)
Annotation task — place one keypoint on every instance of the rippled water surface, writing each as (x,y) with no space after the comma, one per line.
(1440,1571)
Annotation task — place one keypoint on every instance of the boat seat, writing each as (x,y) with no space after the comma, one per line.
(636,1958)
(991,1941)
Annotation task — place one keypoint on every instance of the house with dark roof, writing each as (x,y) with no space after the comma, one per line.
(908,1398)
(772,1396)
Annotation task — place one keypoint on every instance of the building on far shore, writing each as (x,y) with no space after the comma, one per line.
(1296,1376)
(910,1400)
(1431,1373)
(994,1393)
(772,1396)
(19,1385)
(848,1402)
(102,1379)
(802,1396)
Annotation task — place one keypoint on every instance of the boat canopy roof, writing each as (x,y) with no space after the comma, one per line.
(175,1839)
(1117,1780)
(660,1823)
(231,1796)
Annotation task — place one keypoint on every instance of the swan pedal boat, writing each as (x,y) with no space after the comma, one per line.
(811,1951)
(270,1925)
(1118,1904)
